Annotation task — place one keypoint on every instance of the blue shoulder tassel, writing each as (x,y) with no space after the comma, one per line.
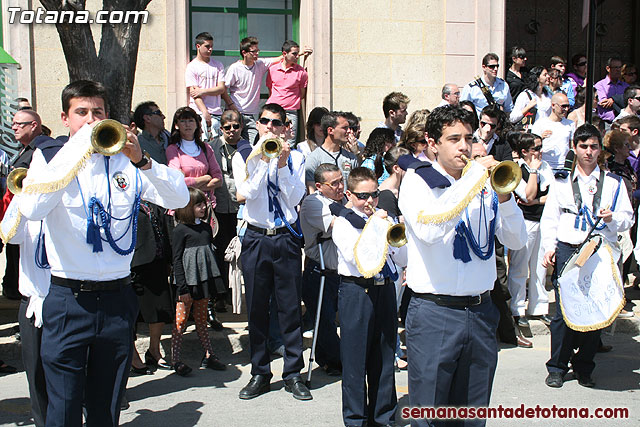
(460,248)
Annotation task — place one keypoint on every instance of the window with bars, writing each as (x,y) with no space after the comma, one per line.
(229,21)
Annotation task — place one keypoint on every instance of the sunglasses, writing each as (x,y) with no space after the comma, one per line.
(564,106)
(155,113)
(20,124)
(493,66)
(536,149)
(483,124)
(236,126)
(581,64)
(365,196)
(275,122)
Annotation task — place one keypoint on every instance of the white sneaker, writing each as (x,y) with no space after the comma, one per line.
(308,334)
(624,314)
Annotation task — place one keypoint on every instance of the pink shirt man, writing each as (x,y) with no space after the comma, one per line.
(205,75)
(286,84)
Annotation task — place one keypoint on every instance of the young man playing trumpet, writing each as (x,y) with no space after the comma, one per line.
(90,310)
(451,267)
(367,307)
(271,257)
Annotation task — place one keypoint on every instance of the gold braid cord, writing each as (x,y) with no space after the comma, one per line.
(53,186)
(455,212)
(13,230)
(615,272)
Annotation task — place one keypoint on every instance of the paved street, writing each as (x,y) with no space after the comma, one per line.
(210,398)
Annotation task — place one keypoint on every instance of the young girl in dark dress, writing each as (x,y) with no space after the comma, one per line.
(194,271)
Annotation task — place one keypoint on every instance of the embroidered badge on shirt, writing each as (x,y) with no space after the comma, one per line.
(592,189)
(121,181)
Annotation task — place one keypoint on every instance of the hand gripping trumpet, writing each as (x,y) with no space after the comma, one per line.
(505,176)
(396,234)
(108,137)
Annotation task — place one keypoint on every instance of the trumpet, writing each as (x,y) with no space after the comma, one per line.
(272,147)
(108,137)
(396,234)
(14,180)
(505,176)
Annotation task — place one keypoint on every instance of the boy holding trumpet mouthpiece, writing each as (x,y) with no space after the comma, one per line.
(367,306)
(452,219)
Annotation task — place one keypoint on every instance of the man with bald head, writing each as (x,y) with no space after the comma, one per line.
(27,127)
(556,131)
(450,95)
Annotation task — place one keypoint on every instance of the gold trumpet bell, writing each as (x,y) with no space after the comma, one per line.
(108,137)
(505,177)
(14,180)
(397,236)
(272,147)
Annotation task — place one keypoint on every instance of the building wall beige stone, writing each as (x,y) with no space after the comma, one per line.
(390,45)
(51,75)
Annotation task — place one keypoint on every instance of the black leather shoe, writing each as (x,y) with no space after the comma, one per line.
(141,371)
(259,384)
(212,362)
(554,379)
(584,380)
(296,386)
(523,322)
(544,319)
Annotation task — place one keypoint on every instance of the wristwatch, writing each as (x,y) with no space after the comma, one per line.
(143,162)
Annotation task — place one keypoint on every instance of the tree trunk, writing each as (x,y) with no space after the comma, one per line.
(115,65)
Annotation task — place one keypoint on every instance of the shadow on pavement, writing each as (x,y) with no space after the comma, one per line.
(16,411)
(183,414)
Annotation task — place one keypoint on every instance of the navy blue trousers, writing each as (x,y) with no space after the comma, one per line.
(30,339)
(368,328)
(452,355)
(86,353)
(273,265)
(328,345)
(564,339)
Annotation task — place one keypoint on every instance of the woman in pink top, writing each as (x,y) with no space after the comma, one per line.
(191,156)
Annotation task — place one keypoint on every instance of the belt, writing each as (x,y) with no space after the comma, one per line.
(455,301)
(361,281)
(576,246)
(268,231)
(91,285)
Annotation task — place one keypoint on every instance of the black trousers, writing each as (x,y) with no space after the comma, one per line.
(368,328)
(564,339)
(30,339)
(226,232)
(11,272)
(273,265)
(86,353)
(328,345)
(452,355)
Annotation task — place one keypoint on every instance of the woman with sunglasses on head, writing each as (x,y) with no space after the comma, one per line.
(629,73)
(516,74)
(526,262)
(196,160)
(534,101)
(414,137)
(579,74)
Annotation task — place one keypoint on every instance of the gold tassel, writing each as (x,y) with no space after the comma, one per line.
(51,187)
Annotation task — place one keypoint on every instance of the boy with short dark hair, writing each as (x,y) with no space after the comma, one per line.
(367,307)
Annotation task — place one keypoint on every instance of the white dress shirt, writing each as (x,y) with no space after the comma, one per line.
(70,256)
(345,237)
(431,267)
(254,189)
(556,146)
(316,218)
(33,280)
(557,224)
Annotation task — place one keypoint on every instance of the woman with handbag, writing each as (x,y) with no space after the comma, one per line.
(535,100)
